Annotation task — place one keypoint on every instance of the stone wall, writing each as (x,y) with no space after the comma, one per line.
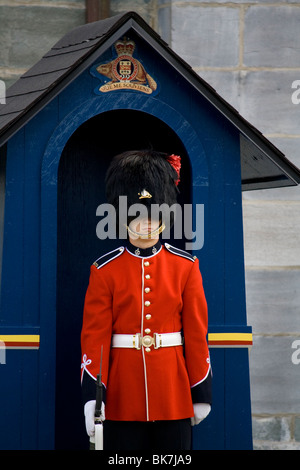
(250,53)
(28,29)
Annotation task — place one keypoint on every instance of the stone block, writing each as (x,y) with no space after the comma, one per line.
(29,31)
(274,379)
(266,101)
(273,428)
(144,8)
(273,301)
(271,36)
(206,36)
(274,445)
(271,233)
(78,2)
(164,23)
(290,193)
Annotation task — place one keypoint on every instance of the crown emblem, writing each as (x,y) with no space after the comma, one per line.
(124,72)
(125,47)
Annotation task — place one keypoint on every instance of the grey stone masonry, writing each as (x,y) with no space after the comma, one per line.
(249,51)
(147,9)
(212,35)
(271,36)
(29,29)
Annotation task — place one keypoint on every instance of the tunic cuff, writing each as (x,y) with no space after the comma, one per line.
(88,389)
(202,393)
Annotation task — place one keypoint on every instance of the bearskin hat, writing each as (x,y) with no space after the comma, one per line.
(145,177)
(132,172)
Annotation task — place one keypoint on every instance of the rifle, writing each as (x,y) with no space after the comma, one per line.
(98,416)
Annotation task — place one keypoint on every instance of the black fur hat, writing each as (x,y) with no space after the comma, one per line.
(141,174)
(145,177)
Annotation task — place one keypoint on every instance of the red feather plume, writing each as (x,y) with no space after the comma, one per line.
(175,161)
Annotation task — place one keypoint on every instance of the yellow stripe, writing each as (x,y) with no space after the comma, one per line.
(20,338)
(230,337)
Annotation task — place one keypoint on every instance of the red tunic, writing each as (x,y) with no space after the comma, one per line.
(129,294)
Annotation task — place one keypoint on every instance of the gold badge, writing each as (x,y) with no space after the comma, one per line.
(144,195)
(124,72)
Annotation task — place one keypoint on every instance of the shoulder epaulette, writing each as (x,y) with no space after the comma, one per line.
(108,257)
(178,252)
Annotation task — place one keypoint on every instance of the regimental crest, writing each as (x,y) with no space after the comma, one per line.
(124,72)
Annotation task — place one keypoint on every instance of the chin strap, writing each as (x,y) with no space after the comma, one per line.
(147,236)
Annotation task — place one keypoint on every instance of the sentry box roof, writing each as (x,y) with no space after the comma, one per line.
(262,164)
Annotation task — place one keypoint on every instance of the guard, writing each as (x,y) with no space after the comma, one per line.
(145,305)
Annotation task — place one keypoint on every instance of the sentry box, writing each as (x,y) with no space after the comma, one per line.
(106,87)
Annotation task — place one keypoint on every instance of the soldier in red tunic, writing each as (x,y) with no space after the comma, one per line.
(145,305)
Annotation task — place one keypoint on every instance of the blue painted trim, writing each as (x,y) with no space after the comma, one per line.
(117,101)
(229,329)
(19,330)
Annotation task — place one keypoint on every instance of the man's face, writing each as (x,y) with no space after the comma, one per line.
(143,226)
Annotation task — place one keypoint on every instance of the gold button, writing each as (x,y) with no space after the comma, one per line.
(147,331)
(147,290)
(147,349)
(146,263)
(147,276)
(148,316)
(147,303)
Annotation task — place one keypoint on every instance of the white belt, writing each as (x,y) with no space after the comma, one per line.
(158,340)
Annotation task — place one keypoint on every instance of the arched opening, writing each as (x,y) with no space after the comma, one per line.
(80,190)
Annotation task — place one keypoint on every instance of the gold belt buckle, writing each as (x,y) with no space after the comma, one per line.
(148,341)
